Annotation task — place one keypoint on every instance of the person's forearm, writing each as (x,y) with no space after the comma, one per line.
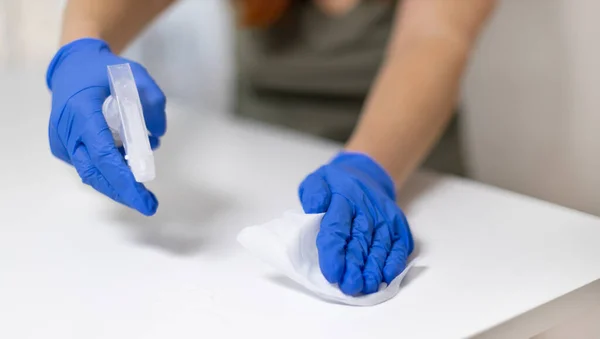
(410,104)
(115,21)
(416,91)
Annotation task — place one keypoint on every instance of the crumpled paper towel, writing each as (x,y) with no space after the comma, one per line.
(289,245)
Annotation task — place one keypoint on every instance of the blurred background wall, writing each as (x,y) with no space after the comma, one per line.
(530,103)
(28,31)
(188,49)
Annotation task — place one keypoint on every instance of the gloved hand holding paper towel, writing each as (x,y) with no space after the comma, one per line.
(353,238)
(289,245)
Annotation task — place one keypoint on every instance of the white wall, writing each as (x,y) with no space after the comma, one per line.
(532,100)
(29,31)
(188,49)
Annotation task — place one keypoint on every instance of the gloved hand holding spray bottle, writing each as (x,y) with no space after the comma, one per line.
(94,91)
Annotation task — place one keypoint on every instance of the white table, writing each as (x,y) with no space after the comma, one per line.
(75,265)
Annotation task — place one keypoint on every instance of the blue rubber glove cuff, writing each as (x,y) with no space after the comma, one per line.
(73,46)
(364,163)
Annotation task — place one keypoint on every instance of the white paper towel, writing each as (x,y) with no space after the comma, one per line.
(289,245)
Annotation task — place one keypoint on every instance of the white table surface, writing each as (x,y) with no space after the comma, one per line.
(75,265)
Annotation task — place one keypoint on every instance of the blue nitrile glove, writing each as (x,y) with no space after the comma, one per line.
(78,133)
(364,237)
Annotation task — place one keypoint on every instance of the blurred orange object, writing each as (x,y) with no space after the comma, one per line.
(260,13)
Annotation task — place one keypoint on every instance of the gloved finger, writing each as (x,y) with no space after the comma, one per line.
(356,253)
(378,253)
(154,142)
(90,175)
(107,159)
(396,261)
(314,193)
(333,237)
(57,148)
(402,244)
(153,101)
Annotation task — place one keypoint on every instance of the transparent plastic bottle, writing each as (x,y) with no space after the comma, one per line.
(124,116)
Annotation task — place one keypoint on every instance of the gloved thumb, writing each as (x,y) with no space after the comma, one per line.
(315,194)
(153,101)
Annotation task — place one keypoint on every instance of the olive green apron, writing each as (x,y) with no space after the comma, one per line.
(312,72)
